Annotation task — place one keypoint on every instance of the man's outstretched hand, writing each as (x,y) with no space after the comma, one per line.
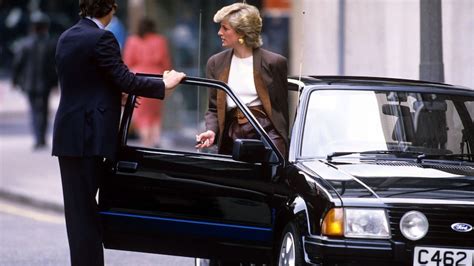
(172,78)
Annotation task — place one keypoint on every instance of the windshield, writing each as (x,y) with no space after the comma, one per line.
(357,121)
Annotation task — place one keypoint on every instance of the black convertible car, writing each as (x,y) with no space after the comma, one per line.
(380,172)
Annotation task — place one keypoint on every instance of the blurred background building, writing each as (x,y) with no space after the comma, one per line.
(184,23)
(379,38)
(325,37)
(386,38)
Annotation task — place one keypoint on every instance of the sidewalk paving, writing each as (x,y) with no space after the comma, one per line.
(28,176)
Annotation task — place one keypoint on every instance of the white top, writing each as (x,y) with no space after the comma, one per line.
(242,82)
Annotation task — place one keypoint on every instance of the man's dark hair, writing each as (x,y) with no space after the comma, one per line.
(95,8)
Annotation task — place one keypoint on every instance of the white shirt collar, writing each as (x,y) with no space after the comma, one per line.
(97,22)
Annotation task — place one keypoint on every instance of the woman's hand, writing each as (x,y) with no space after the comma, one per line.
(205,139)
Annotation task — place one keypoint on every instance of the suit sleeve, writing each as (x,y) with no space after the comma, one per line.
(110,62)
(211,114)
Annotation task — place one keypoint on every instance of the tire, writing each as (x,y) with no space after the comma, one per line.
(214,262)
(290,252)
(201,262)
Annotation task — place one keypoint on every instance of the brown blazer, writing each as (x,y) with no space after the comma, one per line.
(270,77)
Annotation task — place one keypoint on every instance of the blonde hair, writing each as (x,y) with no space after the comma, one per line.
(244,19)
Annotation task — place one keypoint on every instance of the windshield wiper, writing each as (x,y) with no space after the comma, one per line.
(394,152)
(419,156)
(459,156)
(339,153)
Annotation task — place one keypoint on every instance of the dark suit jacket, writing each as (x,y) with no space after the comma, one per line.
(92,76)
(270,77)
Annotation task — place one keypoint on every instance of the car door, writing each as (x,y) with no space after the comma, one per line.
(174,199)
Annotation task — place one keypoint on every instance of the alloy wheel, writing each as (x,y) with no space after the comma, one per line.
(287,251)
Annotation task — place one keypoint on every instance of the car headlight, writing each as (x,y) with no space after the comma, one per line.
(366,223)
(414,225)
(356,223)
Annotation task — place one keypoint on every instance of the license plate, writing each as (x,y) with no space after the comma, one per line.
(425,256)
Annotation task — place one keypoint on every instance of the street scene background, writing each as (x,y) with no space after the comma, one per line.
(319,37)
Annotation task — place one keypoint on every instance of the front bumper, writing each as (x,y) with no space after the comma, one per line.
(356,251)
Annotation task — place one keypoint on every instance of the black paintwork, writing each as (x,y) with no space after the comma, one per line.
(203,205)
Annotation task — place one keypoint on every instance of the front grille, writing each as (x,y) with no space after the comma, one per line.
(440,218)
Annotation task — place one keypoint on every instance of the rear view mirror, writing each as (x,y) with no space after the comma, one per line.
(251,151)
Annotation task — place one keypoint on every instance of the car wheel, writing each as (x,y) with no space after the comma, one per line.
(214,262)
(291,250)
(201,262)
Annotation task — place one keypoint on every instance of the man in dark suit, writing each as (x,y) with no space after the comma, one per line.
(35,74)
(92,77)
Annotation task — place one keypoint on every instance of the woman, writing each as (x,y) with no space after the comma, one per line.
(257,76)
(147,52)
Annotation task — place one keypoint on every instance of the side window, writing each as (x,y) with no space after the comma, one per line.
(173,124)
(470,108)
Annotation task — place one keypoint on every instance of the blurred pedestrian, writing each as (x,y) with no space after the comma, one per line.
(183,36)
(147,52)
(92,76)
(258,76)
(34,73)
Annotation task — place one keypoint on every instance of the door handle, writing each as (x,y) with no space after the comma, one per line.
(127,167)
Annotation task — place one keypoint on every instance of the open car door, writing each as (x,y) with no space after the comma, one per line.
(174,199)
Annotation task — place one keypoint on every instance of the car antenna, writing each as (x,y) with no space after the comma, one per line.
(198,98)
(199,43)
(301,57)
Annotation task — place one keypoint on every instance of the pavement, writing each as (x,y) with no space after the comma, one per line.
(26,176)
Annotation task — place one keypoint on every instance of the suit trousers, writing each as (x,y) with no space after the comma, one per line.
(80,180)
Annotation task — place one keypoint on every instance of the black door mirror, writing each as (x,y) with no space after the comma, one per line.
(251,151)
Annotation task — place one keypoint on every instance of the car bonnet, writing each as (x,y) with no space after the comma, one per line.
(398,181)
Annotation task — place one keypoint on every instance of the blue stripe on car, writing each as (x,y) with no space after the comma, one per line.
(192,227)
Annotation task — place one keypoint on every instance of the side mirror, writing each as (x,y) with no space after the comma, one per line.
(251,151)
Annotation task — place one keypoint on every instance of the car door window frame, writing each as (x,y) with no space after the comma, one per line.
(275,158)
